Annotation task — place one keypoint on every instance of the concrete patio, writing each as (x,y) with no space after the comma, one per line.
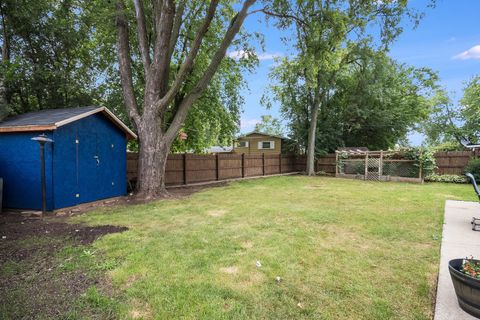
(458,240)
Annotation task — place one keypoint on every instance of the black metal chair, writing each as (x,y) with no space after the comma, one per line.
(475,221)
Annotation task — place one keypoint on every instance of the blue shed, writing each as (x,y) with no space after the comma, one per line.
(86,161)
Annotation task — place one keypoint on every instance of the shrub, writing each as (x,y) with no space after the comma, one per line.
(473,167)
(449,178)
(423,157)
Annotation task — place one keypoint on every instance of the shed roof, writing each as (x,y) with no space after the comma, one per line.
(261,133)
(51,119)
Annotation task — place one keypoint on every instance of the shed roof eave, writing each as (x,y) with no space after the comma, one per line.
(28,128)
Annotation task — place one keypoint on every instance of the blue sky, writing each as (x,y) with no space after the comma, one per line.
(445,41)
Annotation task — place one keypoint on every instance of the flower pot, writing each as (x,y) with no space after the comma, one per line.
(466,288)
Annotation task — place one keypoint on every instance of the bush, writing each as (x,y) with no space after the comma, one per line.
(473,167)
(423,157)
(449,178)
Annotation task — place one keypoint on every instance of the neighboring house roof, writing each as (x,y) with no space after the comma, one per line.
(261,133)
(52,119)
(218,149)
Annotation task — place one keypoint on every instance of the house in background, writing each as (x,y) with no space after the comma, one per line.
(85,162)
(258,143)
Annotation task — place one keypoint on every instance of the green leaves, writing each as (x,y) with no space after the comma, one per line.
(452,124)
(373,102)
(49,64)
(269,125)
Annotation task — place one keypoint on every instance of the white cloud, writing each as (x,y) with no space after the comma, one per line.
(472,53)
(269,56)
(238,54)
(248,124)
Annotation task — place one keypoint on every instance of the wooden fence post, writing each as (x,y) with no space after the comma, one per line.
(366,165)
(336,164)
(184,168)
(216,167)
(263,164)
(243,165)
(380,165)
(280,163)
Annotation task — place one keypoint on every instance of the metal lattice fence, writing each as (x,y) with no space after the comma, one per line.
(377,166)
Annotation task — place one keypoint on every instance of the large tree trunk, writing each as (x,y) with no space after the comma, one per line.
(152,160)
(155,139)
(311,140)
(151,169)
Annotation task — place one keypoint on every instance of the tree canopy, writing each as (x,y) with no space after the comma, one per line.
(330,37)
(454,125)
(374,103)
(269,125)
(46,57)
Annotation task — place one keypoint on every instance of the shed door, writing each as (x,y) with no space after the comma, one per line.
(107,175)
(87,166)
(97,176)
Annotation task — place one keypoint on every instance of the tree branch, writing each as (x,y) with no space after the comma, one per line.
(212,68)
(188,64)
(142,35)
(279,15)
(124,62)
(177,24)
(157,83)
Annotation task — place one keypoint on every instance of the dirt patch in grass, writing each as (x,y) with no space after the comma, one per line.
(315,187)
(229,270)
(43,265)
(216,213)
(140,310)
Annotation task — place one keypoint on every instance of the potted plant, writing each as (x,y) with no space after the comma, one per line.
(465,274)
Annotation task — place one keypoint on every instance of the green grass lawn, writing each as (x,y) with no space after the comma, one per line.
(343,249)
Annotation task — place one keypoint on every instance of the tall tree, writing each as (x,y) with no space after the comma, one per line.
(162,39)
(330,36)
(373,103)
(470,111)
(46,61)
(269,125)
(449,123)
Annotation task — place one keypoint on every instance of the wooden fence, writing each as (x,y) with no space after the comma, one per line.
(454,162)
(194,168)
